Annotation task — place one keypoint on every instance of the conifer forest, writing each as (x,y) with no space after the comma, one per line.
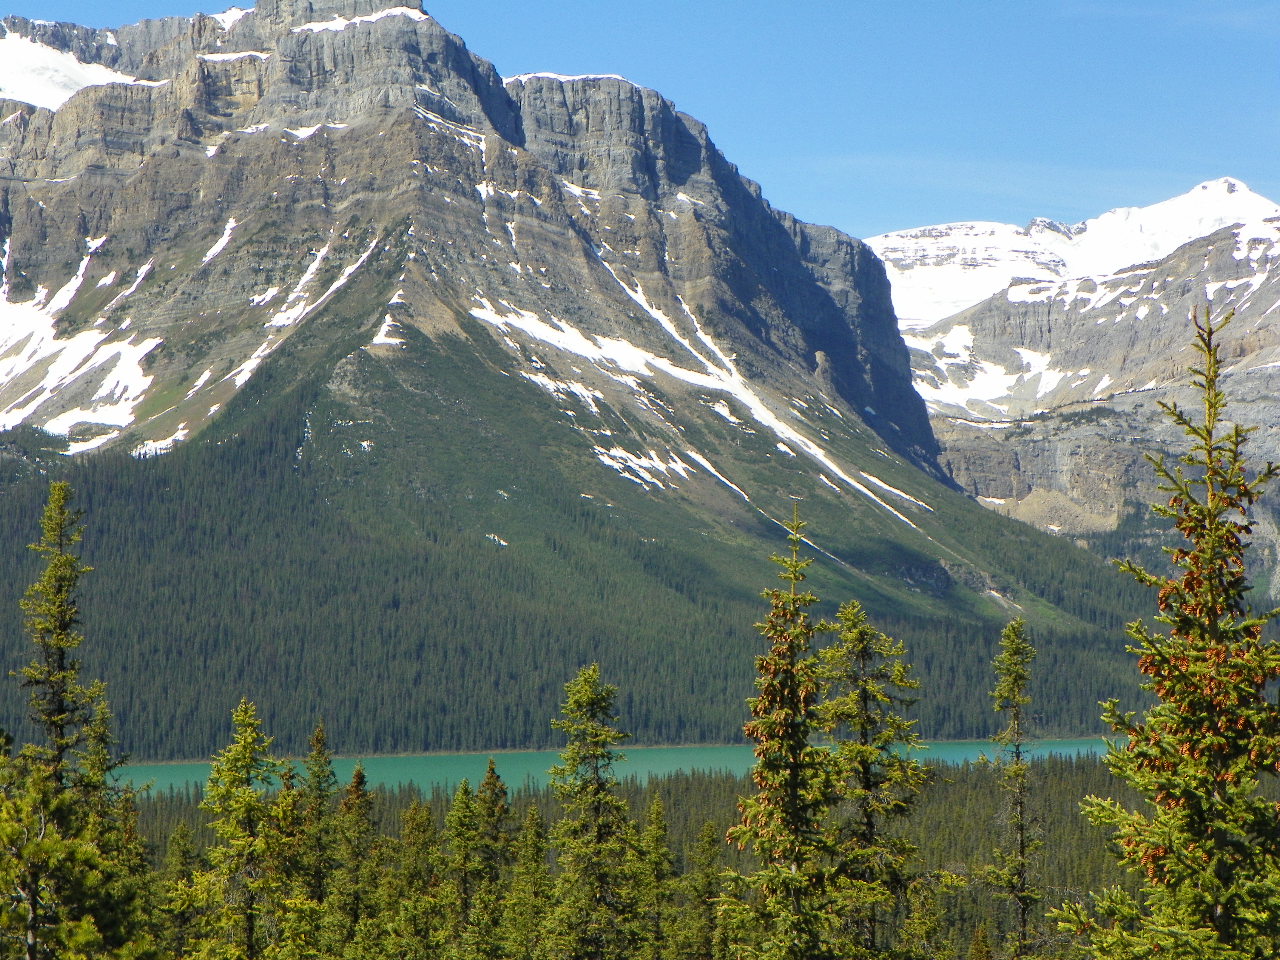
(842,842)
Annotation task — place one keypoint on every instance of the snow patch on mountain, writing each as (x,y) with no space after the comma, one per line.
(339,23)
(937,271)
(565,78)
(718,375)
(229,18)
(43,76)
(222,241)
(35,365)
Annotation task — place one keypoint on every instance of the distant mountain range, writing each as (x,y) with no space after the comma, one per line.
(940,270)
(460,382)
(1042,351)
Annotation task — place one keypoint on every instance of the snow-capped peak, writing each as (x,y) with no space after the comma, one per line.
(228,18)
(1129,235)
(938,271)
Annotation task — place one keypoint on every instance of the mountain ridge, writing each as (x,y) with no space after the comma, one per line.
(937,271)
(536,335)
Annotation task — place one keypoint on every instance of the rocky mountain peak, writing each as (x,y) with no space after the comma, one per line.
(170,227)
(1046,225)
(937,271)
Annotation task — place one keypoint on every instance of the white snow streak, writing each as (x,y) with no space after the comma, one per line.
(228,18)
(222,242)
(719,374)
(341,23)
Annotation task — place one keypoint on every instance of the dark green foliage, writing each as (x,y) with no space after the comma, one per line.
(867,689)
(72,867)
(350,898)
(61,706)
(696,933)
(784,908)
(528,892)
(317,856)
(1011,874)
(273,557)
(1206,842)
(655,884)
(594,910)
(241,894)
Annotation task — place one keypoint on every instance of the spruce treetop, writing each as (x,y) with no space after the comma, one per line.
(1207,845)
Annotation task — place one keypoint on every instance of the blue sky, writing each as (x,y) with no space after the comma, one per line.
(875,115)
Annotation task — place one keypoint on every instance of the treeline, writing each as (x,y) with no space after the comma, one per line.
(276,860)
(959,821)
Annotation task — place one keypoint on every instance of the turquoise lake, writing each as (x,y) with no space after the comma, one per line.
(518,768)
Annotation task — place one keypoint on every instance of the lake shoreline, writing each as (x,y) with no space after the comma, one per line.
(518,768)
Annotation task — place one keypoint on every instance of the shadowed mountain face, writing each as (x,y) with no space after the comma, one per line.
(506,341)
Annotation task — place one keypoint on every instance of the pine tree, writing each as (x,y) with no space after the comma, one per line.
(61,705)
(411,915)
(785,909)
(1011,875)
(696,934)
(181,863)
(351,896)
(529,893)
(319,791)
(461,836)
(1206,844)
(866,688)
(240,893)
(492,840)
(494,827)
(593,909)
(655,875)
(71,863)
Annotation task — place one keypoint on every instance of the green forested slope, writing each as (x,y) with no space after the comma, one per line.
(278,557)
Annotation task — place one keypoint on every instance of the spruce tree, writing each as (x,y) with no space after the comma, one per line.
(351,896)
(1011,874)
(71,863)
(462,855)
(655,884)
(61,705)
(866,690)
(529,893)
(696,933)
(240,893)
(411,913)
(784,910)
(1205,845)
(319,791)
(178,918)
(493,814)
(593,910)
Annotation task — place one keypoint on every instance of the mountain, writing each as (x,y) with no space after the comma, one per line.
(397,390)
(940,270)
(1045,395)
